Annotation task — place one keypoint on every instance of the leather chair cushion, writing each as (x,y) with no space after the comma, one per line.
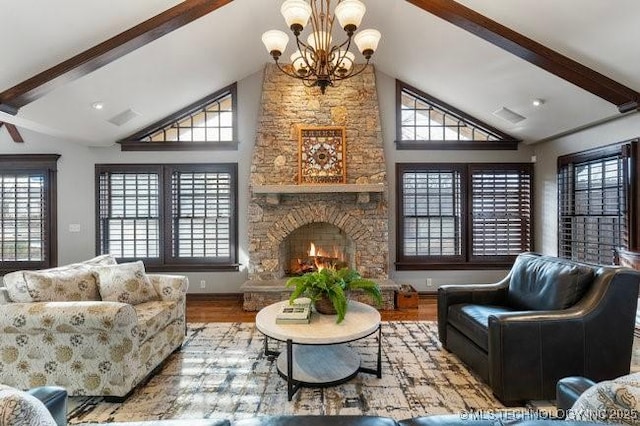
(473,321)
(542,284)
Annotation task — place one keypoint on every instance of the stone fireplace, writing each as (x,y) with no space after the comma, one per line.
(348,221)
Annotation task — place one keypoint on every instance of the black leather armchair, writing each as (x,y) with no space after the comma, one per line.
(549,318)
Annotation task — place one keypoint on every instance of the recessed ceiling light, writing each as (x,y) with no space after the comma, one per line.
(97,105)
(537,102)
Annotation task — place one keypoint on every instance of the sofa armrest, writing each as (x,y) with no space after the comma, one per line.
(67,317)
(568,390)
(55,399)
(170,287)
(479,294)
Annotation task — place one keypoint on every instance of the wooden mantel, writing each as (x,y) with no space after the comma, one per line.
(273,192)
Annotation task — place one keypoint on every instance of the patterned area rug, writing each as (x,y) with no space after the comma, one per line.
(221,371)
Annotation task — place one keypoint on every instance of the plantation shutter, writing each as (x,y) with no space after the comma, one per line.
(500,211)
(463,216)
(23,201)
(592,203)
(431,210)
(202,214)
(27,211)
(129,214)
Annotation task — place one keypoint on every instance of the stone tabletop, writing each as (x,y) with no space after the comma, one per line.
(360,321)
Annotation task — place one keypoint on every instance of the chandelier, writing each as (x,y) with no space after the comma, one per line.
(317,62)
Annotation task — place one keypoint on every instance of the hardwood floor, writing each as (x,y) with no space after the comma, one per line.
(228,308)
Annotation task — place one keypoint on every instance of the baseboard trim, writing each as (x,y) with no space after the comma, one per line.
(427,295)
(213,296)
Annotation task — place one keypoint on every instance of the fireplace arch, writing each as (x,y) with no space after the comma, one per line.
(268,258)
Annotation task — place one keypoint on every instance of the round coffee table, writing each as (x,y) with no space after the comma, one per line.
(317,353)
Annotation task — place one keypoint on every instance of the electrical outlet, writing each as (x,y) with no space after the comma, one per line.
(203,284)
(429,282)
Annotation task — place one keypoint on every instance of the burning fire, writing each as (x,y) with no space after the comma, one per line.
(318,259)
(323,259)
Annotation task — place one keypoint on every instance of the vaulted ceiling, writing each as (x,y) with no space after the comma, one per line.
(424,50)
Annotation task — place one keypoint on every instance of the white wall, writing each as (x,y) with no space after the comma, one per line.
(76,186)
(547,153)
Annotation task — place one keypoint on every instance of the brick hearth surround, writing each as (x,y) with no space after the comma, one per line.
(286,106)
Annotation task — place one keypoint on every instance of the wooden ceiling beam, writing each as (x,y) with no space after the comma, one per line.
(625,98)
(13,132)
(11,100)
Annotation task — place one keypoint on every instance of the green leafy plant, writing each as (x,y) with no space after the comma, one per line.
(335,285)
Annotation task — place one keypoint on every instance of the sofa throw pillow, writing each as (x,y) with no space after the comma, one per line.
(18,408)
(125,283)
(17,287)
(103,259)
(61,286)
(611,401)
(16,284)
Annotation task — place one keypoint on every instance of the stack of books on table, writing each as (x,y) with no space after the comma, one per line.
(297,313)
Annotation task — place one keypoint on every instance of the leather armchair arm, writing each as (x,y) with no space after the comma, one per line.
(55,399)
(479,294)
(530,351)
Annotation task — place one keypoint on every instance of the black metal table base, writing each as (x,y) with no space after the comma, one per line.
(294,385)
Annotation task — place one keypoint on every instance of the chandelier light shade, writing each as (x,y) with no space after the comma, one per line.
(296,12)
(350,12)
(318,62)
(275,41)
(367,41)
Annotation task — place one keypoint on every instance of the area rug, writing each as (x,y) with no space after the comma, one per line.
(221,371)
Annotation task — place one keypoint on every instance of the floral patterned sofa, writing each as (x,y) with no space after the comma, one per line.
(94,328)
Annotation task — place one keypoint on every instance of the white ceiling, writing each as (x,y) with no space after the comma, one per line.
(224,46)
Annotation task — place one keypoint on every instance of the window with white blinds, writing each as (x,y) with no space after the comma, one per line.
(463,215)
(27,211)
(172,215)
(594,193)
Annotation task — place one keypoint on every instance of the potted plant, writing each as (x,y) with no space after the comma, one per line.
(328,288)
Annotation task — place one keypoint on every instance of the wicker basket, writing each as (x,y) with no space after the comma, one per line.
(324,306)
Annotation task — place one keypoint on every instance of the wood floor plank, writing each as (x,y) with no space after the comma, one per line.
(228,308)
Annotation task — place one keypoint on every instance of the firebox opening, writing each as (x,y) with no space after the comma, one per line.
(315,246)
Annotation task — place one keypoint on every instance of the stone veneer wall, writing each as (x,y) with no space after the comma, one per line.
(286,106)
